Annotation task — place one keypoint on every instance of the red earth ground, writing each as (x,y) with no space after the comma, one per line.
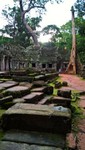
(76,83)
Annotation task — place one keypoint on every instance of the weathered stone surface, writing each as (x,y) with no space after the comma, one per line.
(18,100)
(37,117)
(34,97)
(37,138)
(4,145)
(38,83)
(22,78)
(27,84)
(60,101)
(64,93)
(45,89)
(6,99)
(44,100)
(39,89)
(71,141)
(40,77)
(17,91)
(8,84)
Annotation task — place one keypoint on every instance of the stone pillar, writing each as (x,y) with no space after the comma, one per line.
(3,63)
(7,63)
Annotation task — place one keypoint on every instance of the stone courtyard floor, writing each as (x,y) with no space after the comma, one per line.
(78,84)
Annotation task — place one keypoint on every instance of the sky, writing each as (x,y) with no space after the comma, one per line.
(57,14)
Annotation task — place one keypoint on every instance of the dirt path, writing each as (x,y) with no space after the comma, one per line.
(74,81)
(77,83)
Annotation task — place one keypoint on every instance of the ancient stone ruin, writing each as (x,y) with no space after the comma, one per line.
(33,117)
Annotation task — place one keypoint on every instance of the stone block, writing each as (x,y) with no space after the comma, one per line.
(8,84)
(17,91)
(34,97)
(23,78)
(6,145)
(60,101)
(64,93)
(36,138)
(45,100)
(6,99)
(40,89)
(18,100)
(38,83)
(37,118)
(39,77)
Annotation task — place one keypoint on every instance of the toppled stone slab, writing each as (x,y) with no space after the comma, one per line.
(17,91)
(39,89)
(45,89)
(8,84)
(34,97)
(38,83)
(22,78)
(5,145)
(6,99)
(37,138)
(38,118)
(18,100)
(27,84)
(64,93)
(44,100)
(60,101)
(39,77)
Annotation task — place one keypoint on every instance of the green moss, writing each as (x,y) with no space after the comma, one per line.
(2,112)
(1,134)
(55,92)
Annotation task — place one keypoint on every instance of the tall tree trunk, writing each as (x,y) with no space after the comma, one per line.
(28,28)
(74,62)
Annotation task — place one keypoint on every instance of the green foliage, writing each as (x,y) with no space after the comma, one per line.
(80,7)
(4,40)
(15,28)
